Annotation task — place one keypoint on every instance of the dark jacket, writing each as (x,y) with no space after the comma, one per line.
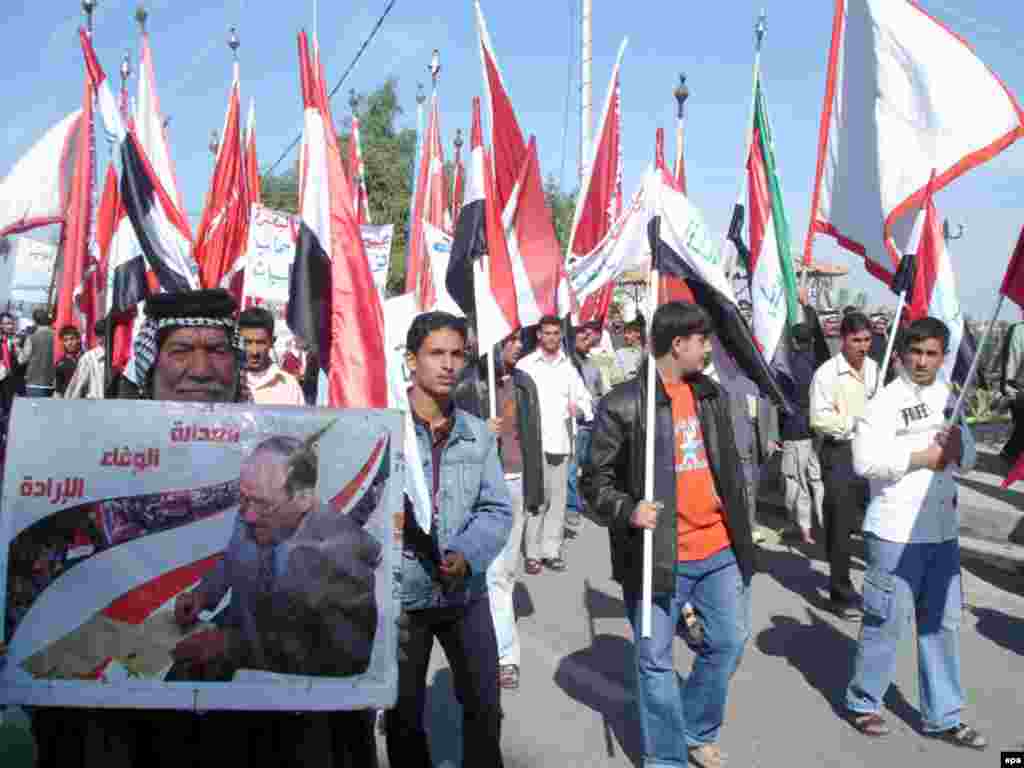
(797,426)
(472,395)
(613,480)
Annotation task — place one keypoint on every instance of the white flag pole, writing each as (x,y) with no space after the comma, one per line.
(492,388)
(972,372)
(891,343)
(652,390)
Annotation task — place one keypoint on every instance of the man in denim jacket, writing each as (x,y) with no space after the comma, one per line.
(444,569)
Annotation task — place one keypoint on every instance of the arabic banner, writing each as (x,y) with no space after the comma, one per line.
(269,258)
(26,269)
(211,557)
(377,240)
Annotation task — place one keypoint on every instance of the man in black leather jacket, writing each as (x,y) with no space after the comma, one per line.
(703,550)
(517,425)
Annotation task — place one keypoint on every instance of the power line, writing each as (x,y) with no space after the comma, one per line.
(334,90)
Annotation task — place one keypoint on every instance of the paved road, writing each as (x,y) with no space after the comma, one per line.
(575,705)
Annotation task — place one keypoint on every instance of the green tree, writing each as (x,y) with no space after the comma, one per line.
(387,155)
(562,207)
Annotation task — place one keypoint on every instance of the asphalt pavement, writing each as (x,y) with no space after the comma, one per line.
(576,705)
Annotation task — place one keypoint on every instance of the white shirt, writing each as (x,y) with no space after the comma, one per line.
(839,396)
(274,387)
(87,381)
(558,384)
(916,506)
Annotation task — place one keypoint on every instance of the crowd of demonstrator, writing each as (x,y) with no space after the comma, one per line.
(566,442)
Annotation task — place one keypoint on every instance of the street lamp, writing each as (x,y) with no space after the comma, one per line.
(89,6)
(141,14)
(682,93)
(458,141)
(435,66)
(214,144)
(353,101)
(420,95)
(233,42)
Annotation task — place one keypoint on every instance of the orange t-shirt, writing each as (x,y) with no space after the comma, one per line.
(701,530)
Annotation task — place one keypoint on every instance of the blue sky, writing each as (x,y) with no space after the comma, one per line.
(711,42)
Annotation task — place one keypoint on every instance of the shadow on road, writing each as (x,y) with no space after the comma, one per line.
(824,656)
(1005,495)
(602,676)
(792,570)
(1001,629)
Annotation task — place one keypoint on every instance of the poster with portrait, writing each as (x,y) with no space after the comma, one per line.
(201,557)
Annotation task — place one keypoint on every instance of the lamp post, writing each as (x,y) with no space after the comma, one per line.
(681,94)
(141,14)
(947,232)
(233,42)
(435,67)
(89,6)
(214,144)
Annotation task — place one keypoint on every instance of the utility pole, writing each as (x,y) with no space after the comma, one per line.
(586,86)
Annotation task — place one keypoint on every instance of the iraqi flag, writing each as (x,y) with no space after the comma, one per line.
(904,95)
(933,293)
(479,277)
(148,234)
(150,128)
(599,203)
(223,228)
(429,210)
(333,304)
(772,282)
(537,262)
(683,247)
(77,295)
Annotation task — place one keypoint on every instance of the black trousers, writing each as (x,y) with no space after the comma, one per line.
(467,636)
(121,738)
(1015,444)
(846,499)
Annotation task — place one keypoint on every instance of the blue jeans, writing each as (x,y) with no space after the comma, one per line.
(925,577)
(674,718)
(582,455)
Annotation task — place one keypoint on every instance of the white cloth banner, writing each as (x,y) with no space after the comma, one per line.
(269,256)
(99,538)
(377,239)
(26,269)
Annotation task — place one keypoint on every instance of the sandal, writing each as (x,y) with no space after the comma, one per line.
(870,725)
(532,566)
(707,756)
(962,736)
(556,564)
(508,677)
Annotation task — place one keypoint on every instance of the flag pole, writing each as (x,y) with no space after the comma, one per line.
(652,390)
(891,342)
(972,372)
(654,282)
